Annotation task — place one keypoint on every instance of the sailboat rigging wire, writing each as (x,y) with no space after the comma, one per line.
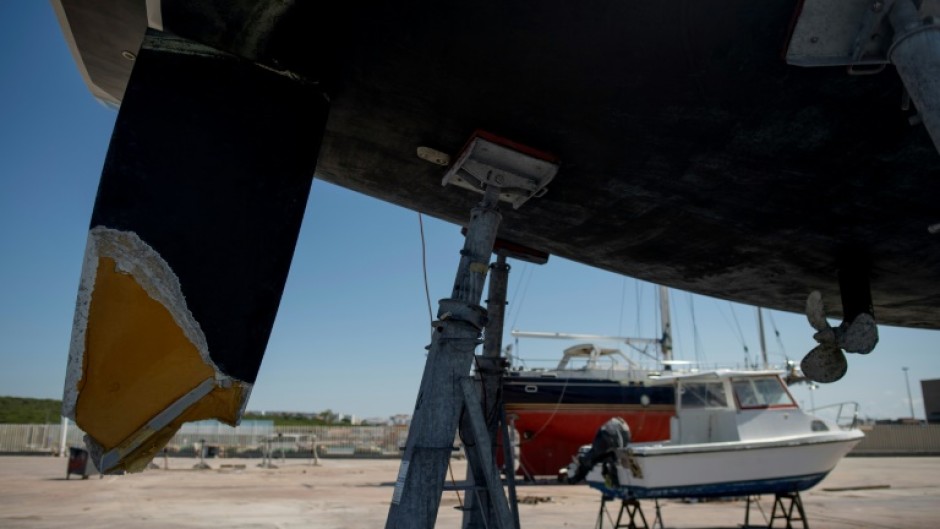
(561,397)
(696,338)
(740,334)
(773,324)
(424,267)
(737,324)
(676,333)
(657,320)
(623,298)
(637,286)
(747,356)
(527,272)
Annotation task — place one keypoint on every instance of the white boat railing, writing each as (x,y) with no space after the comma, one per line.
(844,414)
(520,363)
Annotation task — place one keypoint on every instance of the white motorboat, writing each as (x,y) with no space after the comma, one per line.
(735,433)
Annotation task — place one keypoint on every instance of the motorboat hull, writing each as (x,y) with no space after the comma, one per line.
(739,468)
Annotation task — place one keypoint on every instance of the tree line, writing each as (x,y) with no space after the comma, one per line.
(23,410)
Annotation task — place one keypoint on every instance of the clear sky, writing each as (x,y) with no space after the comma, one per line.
(353,323)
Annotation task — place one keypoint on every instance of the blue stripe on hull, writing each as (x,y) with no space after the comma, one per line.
(712,490)
(558,391)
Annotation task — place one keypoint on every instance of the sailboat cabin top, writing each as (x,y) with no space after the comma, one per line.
(589,356)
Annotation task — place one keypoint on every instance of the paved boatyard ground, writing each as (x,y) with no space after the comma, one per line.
(355,493)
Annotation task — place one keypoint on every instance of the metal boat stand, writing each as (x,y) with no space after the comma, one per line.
(489,368)
(786,512)
(448,397)
(633,509)
(786,502)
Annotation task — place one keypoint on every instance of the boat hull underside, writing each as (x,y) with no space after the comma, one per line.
(671,131)
(717,490)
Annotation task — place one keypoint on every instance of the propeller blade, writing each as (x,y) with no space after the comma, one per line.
(861,336)
(827,335)
(825,363)
(816,312)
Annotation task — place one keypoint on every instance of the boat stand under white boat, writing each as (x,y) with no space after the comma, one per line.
(634,511)
(787,502)
(788,508)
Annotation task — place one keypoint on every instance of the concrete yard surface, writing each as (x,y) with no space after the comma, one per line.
(894,493)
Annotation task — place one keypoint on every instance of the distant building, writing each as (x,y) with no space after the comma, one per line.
(931,392)
(400,420)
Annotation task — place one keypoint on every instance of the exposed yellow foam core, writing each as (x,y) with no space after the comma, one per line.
(137,362)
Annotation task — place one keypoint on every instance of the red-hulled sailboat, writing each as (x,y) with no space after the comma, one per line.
(554,412)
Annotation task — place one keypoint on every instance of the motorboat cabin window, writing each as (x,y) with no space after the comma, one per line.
(703,395)
(761,392)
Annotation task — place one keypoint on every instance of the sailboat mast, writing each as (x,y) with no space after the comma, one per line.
(763,343)
(665,343)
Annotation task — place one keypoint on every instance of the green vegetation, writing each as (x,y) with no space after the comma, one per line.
(18,410)
(282,418)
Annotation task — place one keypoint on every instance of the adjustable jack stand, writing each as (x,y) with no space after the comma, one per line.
(479,513)
(751,499)
(266,455)
(632,507)
(786,511)
(201,465)
(446,392)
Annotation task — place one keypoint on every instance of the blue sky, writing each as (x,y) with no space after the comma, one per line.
(353,323)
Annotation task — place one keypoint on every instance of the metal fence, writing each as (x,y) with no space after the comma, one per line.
(900,439)
(253,440)
(250,439)
(294,441)
(37,438)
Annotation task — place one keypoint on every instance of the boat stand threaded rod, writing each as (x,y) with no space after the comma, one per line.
(496,307)
(480,513)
